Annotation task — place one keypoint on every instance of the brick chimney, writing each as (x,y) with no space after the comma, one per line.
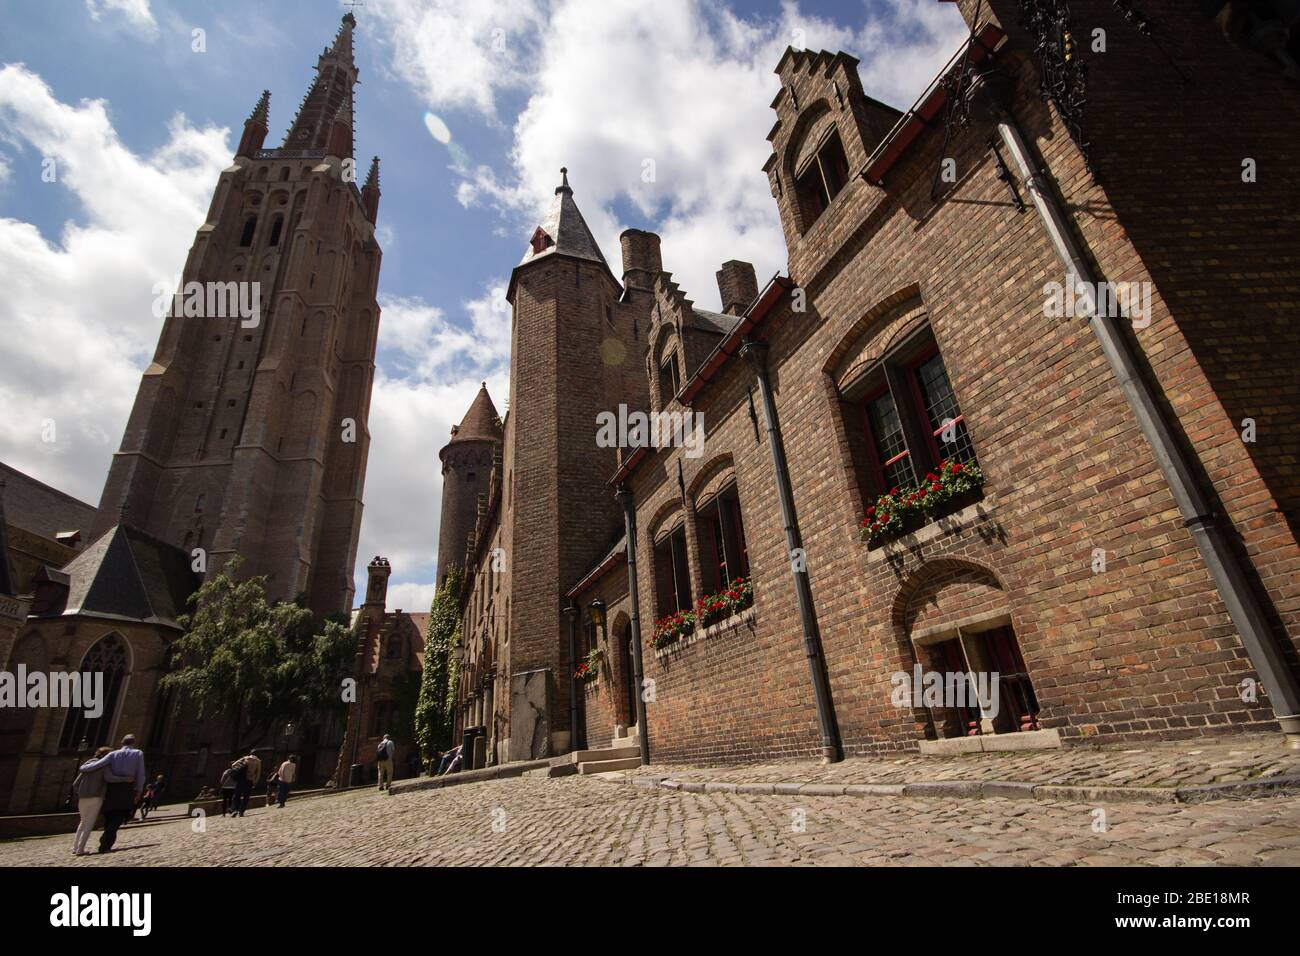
(641,260)
(738,286)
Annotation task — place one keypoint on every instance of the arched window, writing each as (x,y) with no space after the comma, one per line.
(107,658)
(275,230)
(246,237)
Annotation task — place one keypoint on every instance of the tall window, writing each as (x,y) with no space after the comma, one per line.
(106,657)
(672,573)
(275,230)
(822,178)
(944,417)
(723,555)
(912,419)
(669,379)
(885,430)
(246,237)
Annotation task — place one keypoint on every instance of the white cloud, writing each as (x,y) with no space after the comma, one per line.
(75,317)
(619,86)
(135,12)
(429,373)
(457,54)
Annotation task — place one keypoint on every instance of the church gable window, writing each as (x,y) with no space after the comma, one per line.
(822,178)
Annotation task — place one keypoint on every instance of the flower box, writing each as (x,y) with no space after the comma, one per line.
(904,510)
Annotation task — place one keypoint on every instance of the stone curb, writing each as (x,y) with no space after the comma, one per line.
(986,789)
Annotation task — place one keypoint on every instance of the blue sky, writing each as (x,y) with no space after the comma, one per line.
(139,124)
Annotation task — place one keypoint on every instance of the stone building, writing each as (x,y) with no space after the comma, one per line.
(389,665)
(248,437)
(1127,565)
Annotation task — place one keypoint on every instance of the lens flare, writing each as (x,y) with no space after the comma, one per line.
(437,128)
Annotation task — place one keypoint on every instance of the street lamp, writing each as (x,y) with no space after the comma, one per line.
(596,612)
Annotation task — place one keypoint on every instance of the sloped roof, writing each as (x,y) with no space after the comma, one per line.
(480,422)
(718,323)
(40,509)
(127,573)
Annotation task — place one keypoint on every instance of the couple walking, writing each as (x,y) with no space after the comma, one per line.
(113,781)
(237,782)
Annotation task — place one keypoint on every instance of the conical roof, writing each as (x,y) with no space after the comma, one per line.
(562,232)
(481,422)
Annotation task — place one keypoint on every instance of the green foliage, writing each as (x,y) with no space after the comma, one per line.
(434,709)
(257,662)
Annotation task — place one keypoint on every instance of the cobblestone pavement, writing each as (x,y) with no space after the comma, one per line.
(581,821)
(1173,764)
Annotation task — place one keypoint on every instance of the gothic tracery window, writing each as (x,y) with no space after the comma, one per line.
(107,657)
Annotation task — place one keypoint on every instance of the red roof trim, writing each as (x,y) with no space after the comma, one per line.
(597,572)
(927,108)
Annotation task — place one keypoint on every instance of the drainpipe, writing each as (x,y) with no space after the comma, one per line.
(638,671)
(755,352)
(992,90)
(571,614)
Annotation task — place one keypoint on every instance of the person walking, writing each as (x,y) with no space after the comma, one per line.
(244,782)
(124,786)
(286,776)
(385,755)
(89,789)
(228,791)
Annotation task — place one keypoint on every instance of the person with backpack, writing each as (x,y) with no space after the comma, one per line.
(251,767)
(384,756)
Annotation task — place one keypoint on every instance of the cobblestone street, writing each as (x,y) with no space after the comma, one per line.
(581,821)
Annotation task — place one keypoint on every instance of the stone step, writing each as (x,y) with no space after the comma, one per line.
(608,753)
(605,766)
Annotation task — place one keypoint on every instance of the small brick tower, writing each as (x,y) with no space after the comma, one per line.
(466,468)
(248,435)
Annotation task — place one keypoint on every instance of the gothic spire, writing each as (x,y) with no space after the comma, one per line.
(563,232)
(262,111)
(370,191)
(372,177)
(255,128)
(330,93)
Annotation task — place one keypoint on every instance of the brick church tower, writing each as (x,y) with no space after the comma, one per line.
(249,435)
(466,469)
(576,351)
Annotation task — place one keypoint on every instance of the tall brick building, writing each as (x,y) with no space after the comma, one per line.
(248,437)
(251,439)
(1128,565)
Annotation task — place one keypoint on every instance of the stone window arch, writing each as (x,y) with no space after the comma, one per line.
(110,657)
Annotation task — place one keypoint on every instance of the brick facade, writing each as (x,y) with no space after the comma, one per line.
(880,276)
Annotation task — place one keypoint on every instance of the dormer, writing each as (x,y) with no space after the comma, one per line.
(825,129)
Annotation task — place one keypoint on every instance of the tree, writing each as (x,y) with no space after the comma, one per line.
(257,662)
(434,710)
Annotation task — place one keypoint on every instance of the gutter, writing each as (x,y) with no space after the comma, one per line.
(1180,471)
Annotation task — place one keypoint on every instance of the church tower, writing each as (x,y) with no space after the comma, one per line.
(466,470)
(577,343)
(249,432)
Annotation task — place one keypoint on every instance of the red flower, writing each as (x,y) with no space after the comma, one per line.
(936,486)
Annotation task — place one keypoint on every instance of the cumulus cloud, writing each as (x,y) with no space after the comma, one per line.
(457,54)
(430,370)
(663,109)
(76,315)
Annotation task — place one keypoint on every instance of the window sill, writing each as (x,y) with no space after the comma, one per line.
(734,623)
(959,515)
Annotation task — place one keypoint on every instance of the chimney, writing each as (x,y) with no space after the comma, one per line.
(641,261)
(738,286)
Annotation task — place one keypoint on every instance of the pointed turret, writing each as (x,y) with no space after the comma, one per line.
(255,127)
(480,422)
(563,232)
(329,97)
(370,191)
(467,463)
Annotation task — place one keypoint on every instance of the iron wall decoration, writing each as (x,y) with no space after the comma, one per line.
(1064,74)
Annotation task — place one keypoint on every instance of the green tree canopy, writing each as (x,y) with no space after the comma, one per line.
(258,662)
